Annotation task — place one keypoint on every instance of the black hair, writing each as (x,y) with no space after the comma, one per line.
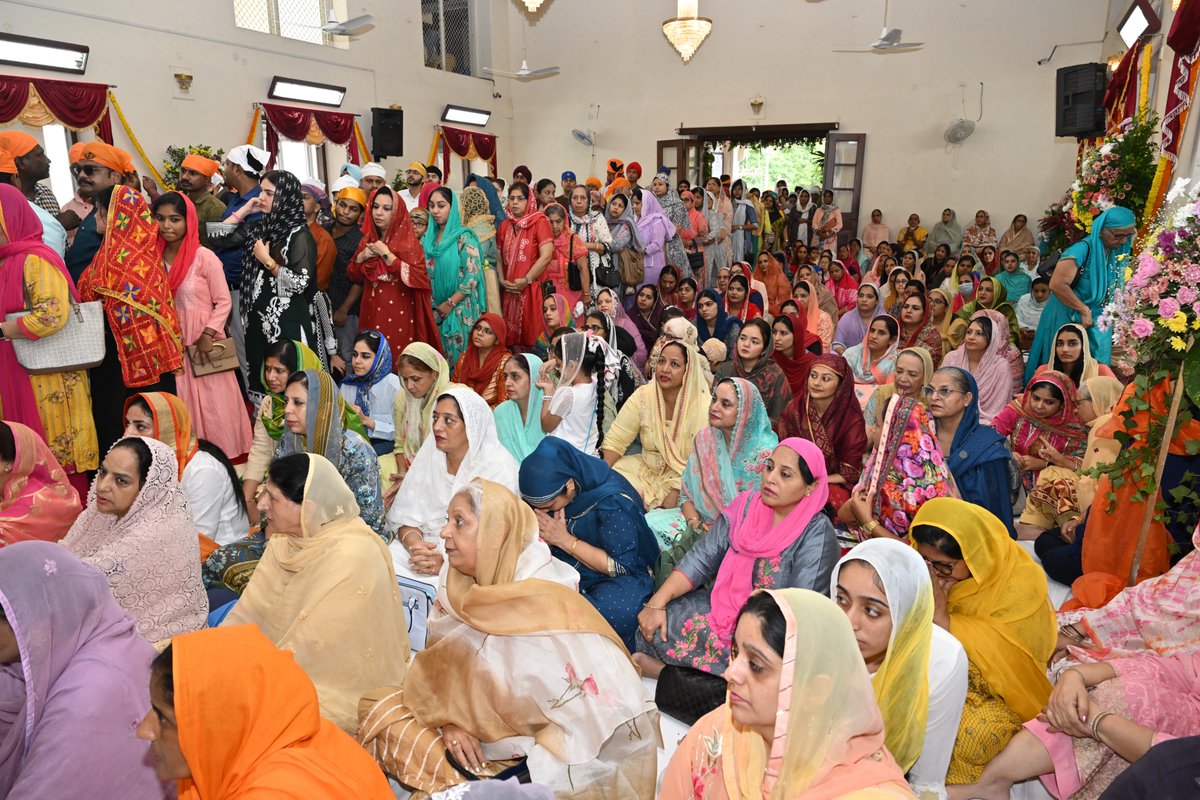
(938,539)
(889,322)
(163,667)
(371,339)
(985,325)
(297,377)
(637,192)
(1076,370)
(1040,281)
(452,399)
(764,330)
(407,360)
(680,345)
(916,284)
(173,199)
(290,473)
(592,365)
(746,284)
(967,257)
(1055,392)
(274,176)
(942,246)
(669,313)
(653,287)
(770,616)
(445,193)
(519,186)
(521,364)
(283,351)
(543,183)
(8,443)
(8,178)
(783,308)
(239,496)
(500,181)
(602,318)
(436,170)
(144,457)
(689,282)
(103,198)
(139,402)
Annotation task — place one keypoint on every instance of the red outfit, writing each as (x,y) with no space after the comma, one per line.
(519,242)
(397,300)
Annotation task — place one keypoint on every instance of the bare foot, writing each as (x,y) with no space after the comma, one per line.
(650,666)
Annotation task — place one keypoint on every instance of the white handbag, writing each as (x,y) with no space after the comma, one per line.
(77,345)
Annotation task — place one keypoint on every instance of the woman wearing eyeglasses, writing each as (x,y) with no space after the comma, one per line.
(1082,283)
(991,595)
(977,455)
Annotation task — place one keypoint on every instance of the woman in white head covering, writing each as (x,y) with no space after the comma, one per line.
(462,446)
(918,670)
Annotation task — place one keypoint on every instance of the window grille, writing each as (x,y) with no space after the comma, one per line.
(446,30)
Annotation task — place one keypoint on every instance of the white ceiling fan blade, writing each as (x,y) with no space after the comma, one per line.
(901,47)
(853,49)
(537,73)
(499,73)
(891,36)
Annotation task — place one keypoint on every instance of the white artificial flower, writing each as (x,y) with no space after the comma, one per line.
(1106,148)
(1177,189)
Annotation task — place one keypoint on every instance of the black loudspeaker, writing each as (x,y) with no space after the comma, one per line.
(1079,104)
(387,133)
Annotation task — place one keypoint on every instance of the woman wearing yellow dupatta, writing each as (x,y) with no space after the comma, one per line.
(918,670)
(325,589)
(537,671)
(992,596)
(424,376)
(667,414)
(801,721)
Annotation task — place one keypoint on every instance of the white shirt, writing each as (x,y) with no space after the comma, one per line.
(947,695)
(410,200)
(383,395)
(54,235)
(576,407)
(210,494)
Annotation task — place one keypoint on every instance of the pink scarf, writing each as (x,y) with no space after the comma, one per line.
(23,230)
(994,375)
(753,534)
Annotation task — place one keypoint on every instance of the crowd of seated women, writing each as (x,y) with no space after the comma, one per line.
(798,495)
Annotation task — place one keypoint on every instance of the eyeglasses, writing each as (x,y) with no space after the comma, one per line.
(1120,237)
(944,569)
(940,392)
(594,328)
(88,169)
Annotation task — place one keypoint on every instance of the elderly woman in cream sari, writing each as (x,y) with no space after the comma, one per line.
(538,673)
(324,588)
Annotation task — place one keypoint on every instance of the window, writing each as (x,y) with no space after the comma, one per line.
(292,19)
(57,140)
(446,28)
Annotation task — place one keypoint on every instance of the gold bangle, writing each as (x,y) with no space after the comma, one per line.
(1096,723)
(654,608)
(870,525)
(573,546)
(404,538)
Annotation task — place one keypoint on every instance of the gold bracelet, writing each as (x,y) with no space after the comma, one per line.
(870,525)
(1096,723)
(573,546)
(654,608)
(404,538)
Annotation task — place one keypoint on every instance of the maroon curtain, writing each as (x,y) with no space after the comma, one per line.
(14,94)
(459,141)
(293,123)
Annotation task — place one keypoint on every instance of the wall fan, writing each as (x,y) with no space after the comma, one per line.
(961,129)
(584,136)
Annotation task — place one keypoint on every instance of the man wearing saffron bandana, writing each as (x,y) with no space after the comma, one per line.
(195,180)
(100,166)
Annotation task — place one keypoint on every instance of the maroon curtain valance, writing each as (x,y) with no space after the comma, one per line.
(467,144)
(292,122)
(73,103)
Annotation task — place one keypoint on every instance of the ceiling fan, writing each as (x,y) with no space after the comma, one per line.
(524,73)
(347,28)
(889,41)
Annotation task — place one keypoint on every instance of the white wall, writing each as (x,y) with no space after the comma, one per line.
(614,54)
(135,43)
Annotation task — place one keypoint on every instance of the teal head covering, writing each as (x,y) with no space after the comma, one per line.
(446,246)
(719,470)
(522,436)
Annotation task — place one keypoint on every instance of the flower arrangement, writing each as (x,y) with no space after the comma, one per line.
(1118,172)
(175,156)
(1155,317)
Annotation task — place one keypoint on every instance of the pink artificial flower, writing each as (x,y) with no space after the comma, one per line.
(1186,295)
(1192,273)
(1142,328)
(1196,309)
(1168,307)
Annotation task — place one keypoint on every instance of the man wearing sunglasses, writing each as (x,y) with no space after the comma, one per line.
(99,167)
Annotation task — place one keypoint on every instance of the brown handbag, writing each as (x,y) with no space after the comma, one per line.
(222,358)
(633,267)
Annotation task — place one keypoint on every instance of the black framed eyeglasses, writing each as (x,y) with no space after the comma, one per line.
(944,569)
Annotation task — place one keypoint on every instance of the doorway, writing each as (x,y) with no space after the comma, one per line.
(700,152)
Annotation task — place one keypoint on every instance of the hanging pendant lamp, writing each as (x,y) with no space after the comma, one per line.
(687,31)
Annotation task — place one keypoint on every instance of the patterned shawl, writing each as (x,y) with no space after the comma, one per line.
(323,421)
(38,502)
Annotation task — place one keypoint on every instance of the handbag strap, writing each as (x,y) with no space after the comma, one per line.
(104,291)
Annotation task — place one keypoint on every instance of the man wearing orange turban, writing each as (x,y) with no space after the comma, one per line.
(100,167)
(195,179)
(33,165)
(54,235)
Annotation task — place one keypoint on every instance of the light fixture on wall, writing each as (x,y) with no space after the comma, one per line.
(687,30)
(466,116)
(756,103)
(27,51)
(321,94)
(1114,61)
(533,5)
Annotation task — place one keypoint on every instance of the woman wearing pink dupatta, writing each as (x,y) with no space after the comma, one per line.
(56,406)
(772,538)
(36,499)
(981,355)
(202,302)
